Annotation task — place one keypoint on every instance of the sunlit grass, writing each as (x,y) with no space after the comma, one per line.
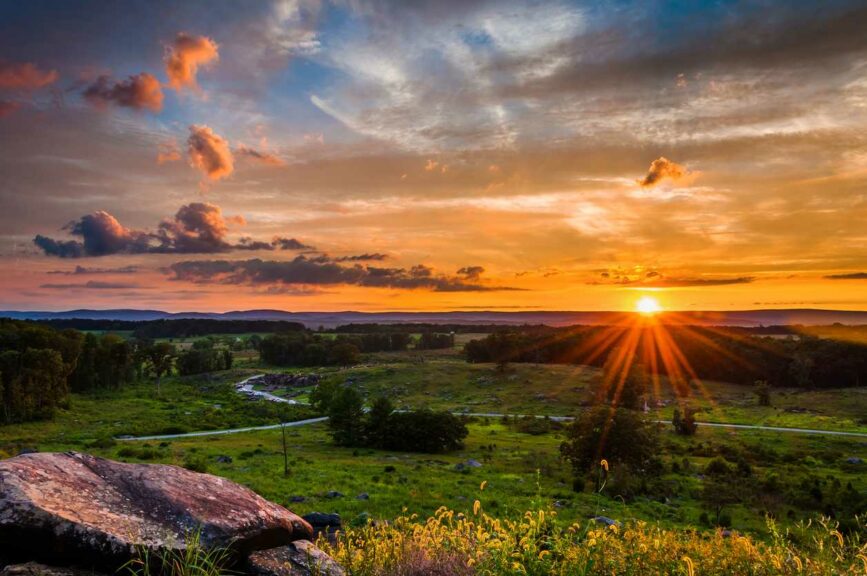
(535,544)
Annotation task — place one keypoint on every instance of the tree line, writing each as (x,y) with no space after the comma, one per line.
(40,366)
(176,328)
(311,349)
(35,364)
(730,355)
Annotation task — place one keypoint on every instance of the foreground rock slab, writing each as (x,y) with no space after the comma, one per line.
(73,508)
(300,558)
(35,569)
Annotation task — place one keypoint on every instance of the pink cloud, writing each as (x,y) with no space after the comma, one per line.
(184,57)
(140,92)
(25,76)
(210,153)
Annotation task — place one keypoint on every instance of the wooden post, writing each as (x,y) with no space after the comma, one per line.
(285,454)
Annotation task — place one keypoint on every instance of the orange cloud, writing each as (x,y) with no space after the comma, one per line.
(210,153)
(259,156)
(25,76)
(168,152)
(142,91)
(185,56)
(663,168)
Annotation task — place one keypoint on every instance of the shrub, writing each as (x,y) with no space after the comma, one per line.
(425,431)
(718,467)
(619,435)
(684,425)
(195,463)
(103,442)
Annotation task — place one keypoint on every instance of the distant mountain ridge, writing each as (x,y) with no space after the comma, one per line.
(805,316)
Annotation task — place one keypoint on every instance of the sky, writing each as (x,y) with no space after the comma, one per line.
(442,155)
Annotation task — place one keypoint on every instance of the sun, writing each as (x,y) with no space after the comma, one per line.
(648,306)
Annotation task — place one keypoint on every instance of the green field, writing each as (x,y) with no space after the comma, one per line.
(522,471)
(206,402)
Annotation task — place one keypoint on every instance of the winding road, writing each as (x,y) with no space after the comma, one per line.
(246,387)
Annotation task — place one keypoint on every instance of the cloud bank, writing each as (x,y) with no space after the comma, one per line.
(25,76)
(196,228)
(320,270)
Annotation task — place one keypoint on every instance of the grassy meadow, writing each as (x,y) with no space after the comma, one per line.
(519,466)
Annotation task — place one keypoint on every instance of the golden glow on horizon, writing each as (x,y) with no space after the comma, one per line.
(648,305)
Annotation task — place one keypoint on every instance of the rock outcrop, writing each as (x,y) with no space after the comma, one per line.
(36,569)
(71,509)
(300,558)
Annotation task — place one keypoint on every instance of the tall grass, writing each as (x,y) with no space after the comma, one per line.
(535,544)
(193,559)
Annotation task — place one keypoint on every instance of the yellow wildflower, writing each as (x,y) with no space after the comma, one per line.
(690,569)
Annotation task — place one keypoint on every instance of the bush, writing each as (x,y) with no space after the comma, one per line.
(425,431)
(621,436)
(536,426)
(684,425)
(718,467)
(195,463)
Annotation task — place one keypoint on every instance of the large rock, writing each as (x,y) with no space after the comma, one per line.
(300,558)
(78,509)
(35,569)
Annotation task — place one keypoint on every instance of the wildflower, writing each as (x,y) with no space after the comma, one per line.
(477,506)
(838,536)
(690,569)
(798,563)
(482,485)
(604,464)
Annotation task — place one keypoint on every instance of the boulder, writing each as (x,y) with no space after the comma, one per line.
(605,521)
(72,508)
(35,569)
(322,520)
(324,525)
(300,558)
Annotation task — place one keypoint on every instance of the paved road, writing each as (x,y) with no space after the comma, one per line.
(709,424)
(245,387)
(222,432)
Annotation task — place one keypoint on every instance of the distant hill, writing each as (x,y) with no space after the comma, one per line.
(747,318)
